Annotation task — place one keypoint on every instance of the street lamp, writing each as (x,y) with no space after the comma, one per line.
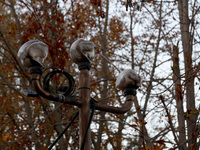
(32,55)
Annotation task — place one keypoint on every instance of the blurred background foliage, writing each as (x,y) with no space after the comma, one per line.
(158,39)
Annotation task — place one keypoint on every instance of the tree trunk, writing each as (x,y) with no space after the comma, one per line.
(179,98)
(189,76)
(105,73)
(150,86)
(31,124)
(58,117)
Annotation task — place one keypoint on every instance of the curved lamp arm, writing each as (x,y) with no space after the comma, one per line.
(119,110)
(35,78)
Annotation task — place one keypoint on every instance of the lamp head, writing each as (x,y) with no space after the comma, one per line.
(32,53)
(128,79)
(82,51)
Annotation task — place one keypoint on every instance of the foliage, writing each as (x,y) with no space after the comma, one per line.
(144,38)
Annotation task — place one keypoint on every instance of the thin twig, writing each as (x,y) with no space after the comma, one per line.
(170,119)
(109,61)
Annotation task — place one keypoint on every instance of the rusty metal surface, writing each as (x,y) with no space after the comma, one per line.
(119,110)
(83,103)
(33,54)
(50,96)
(84,113)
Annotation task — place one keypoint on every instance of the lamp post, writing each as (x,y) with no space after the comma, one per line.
(32,55)
(84,112)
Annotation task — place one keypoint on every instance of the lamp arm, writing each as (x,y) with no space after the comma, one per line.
(119,110)
(35,78)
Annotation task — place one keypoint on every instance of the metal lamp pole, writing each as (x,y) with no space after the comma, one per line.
(32,55)
(84,113)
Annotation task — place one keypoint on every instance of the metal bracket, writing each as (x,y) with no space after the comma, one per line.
(29,93)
